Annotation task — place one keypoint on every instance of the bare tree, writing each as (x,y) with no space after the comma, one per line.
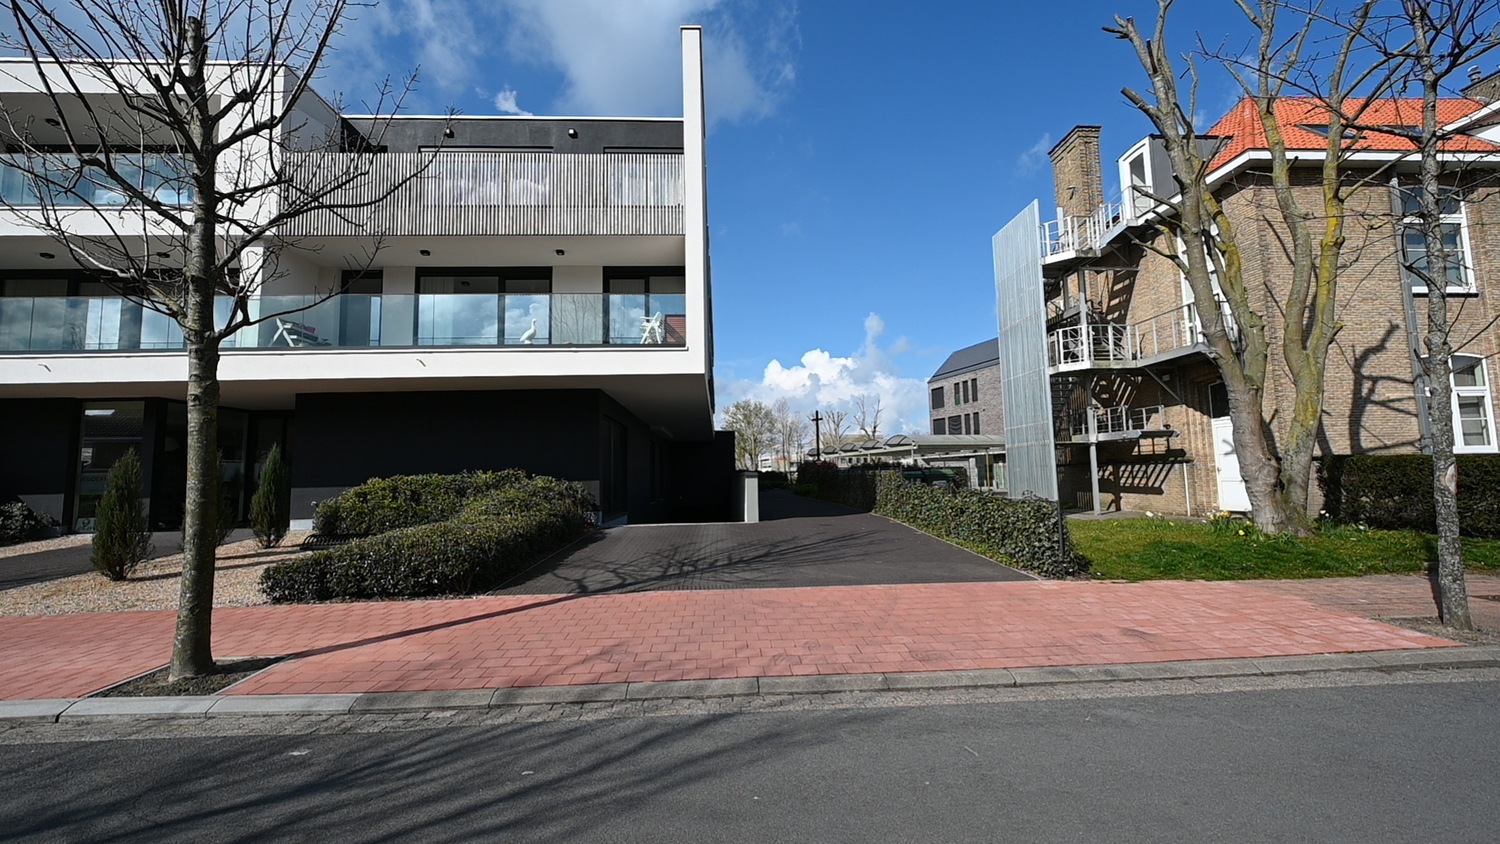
(867,410)
(184,128)
(836,428)
(1200,237)
(791,432)
(754,426)
(1431,40)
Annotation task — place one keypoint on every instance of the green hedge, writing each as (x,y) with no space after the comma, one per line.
(492,537)
(1394,492)
(385,504)
(1022,532)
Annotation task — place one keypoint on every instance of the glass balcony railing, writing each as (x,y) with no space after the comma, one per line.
(101,323)
(26,180)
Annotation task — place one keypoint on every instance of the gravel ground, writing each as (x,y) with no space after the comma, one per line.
(1433,627)
(70,541)
(154,586)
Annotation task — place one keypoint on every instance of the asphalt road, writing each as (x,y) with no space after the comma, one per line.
(1351,764)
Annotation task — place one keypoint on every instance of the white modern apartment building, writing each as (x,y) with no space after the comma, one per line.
(540,298)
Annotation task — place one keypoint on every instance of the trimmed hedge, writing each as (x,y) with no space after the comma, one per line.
(493,536)
(1394,492)
(1028,532)
(385,504)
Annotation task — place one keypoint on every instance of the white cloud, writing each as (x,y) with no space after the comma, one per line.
(824,380)
(615,58)
(1035,158)
(623,58)
(505,102)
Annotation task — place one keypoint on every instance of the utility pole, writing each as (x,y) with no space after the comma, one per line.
(817,420)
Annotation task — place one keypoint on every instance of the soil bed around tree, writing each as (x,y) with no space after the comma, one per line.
(154,684)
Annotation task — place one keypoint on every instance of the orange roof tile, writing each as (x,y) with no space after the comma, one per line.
(1300,118)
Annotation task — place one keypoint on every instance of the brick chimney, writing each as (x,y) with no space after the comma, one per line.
(1483,88)
(1078,172)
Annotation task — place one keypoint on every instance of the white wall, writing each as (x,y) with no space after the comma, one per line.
(577,279)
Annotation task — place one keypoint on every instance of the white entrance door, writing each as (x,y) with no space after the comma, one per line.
(1232,495)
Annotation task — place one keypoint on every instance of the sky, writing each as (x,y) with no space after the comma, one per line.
(861,153)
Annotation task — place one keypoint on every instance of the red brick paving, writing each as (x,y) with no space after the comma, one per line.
(528,640)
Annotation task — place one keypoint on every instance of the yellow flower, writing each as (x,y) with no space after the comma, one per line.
(1242,533)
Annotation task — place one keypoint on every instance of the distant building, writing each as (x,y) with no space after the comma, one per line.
(1112,399)
(963,395)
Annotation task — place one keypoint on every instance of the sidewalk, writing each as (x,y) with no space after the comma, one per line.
(512,641)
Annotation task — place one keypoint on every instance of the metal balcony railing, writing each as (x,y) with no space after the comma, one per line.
(1115,421)
(106,323)
(1090,344)
(1068,235)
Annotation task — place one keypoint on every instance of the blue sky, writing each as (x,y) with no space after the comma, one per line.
(860,158)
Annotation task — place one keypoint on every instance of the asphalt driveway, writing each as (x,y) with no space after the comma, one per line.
(799,542)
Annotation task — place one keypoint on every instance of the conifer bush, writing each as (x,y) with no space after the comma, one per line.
(271,508)
(122,536)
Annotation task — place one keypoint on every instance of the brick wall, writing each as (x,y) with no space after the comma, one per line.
(989,405)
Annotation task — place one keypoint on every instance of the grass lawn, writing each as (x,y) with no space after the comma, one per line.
(1160,549)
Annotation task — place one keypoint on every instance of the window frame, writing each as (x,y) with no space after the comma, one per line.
(1459,218)
(1482,391)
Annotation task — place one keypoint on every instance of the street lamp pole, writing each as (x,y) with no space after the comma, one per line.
(817,420)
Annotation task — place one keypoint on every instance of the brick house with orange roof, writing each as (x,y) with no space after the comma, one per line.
(1111,400)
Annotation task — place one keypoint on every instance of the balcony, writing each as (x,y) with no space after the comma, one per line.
(495,193)
(68,185)
(64,324)
(1069,238)
(1103,424)
(1108,345)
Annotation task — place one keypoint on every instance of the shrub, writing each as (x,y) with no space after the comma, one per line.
(270,508)
(122,537)
(385,504)
(1029,533)
(493,536)
(1394,492)
(20,523)
(809,490)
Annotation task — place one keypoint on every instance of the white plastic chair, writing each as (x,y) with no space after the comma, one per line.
(653,329)
(296,334)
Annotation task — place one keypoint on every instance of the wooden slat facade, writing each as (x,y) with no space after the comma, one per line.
(496,193)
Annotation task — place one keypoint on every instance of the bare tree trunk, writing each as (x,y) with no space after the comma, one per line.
(192,651)
(1453,593)
(192,642)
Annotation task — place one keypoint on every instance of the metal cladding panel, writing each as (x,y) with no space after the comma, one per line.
(1030,453)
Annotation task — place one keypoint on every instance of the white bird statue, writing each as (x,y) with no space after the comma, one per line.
(529,335)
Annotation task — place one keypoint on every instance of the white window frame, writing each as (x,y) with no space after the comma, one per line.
(1481,391)
(1459,218)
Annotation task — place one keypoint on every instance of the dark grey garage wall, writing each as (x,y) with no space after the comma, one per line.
(344,439)
(39,452)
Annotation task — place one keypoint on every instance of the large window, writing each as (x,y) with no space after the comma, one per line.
(937,398)
(484,307)
(109,430)
(1473,424)
(1456,268)
(646,305)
